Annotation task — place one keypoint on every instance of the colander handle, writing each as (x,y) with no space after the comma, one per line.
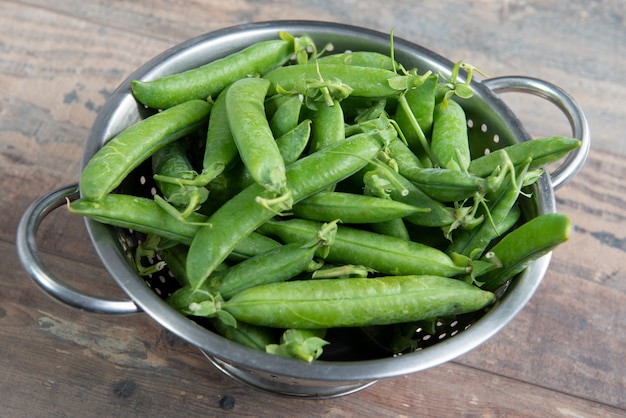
(575,115)
(26,243)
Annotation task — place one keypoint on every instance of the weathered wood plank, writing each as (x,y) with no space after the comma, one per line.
(59,62)
(532,38)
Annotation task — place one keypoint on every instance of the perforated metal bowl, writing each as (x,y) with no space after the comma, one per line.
(492,125)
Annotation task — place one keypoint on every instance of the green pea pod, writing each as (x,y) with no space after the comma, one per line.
(253,136)
(351,208)
(291,146)
(252,336)
(328,126)
(329,303)
(301,344)
(393,227)
(287,116)
(220,151)
(277,265)
(518,248)
(241,215)
(175,258)
(363,81)
(449,142)
(210,79)
(402,156)
(542,151)
(361,59)
(273,102)
(385,254)
(500,203)
(447,185)
(172,163)
(172,169)
(117,158)
(145,215)
(437,215)
(421,103)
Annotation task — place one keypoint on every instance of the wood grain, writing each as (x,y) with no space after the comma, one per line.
(59,62)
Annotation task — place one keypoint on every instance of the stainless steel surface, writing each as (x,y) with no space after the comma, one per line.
(490,117)
(570,108)
(26,243)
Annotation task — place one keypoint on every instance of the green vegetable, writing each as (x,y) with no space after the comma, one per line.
(353,139)
(351,208)
(279,264)
(360,59)
(253,136)
(329,303)
(328,126)
(301,344)
(210,79)
(384,254)
(287,116)
(533,239)
(449,143)
(172,169)
(541,151)
(112,163)
(363,81)
(242,214)
(145,215)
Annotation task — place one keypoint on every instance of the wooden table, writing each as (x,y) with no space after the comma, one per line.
(563,355)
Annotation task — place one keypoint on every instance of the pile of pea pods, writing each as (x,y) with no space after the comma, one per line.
(301,190)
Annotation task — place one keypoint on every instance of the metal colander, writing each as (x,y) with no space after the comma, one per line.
(345,367)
